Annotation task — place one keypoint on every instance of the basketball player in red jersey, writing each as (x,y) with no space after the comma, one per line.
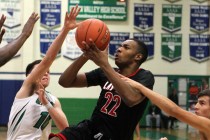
(119,107)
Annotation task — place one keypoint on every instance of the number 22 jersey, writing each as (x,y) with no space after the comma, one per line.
(111,115)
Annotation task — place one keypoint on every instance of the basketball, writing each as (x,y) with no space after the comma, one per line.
(95,29)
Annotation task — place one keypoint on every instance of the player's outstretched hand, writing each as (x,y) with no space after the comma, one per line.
(41,93)
(28,27)
(70,18)
(2,31)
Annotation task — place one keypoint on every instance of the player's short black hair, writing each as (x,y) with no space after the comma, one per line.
(205,92)
(142,48)
(30,66)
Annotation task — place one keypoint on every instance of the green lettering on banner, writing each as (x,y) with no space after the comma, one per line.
(100,9)
(171,17)
(171,45)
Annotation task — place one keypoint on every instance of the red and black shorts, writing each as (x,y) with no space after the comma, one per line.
(85,130)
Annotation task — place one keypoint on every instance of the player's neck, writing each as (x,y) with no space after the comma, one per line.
(128,71)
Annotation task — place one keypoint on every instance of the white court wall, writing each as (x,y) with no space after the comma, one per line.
(185,66)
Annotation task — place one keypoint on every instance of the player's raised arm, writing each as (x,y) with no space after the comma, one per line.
(199,120)
(8,51)
(43,66)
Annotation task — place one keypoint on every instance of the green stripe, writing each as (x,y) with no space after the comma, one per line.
(18,113)
(19,121)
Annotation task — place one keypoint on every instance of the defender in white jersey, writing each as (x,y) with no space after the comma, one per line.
(29,118)
(33,107)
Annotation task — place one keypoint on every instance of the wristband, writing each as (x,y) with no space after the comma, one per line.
(48,105)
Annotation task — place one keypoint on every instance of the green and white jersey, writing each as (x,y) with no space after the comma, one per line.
(29,119)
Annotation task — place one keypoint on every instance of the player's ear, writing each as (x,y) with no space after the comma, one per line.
(139,56)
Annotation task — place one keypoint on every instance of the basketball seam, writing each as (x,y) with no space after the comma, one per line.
(99,34)
(107,41)
(87,31)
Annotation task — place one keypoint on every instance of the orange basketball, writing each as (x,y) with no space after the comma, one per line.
(95,29)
